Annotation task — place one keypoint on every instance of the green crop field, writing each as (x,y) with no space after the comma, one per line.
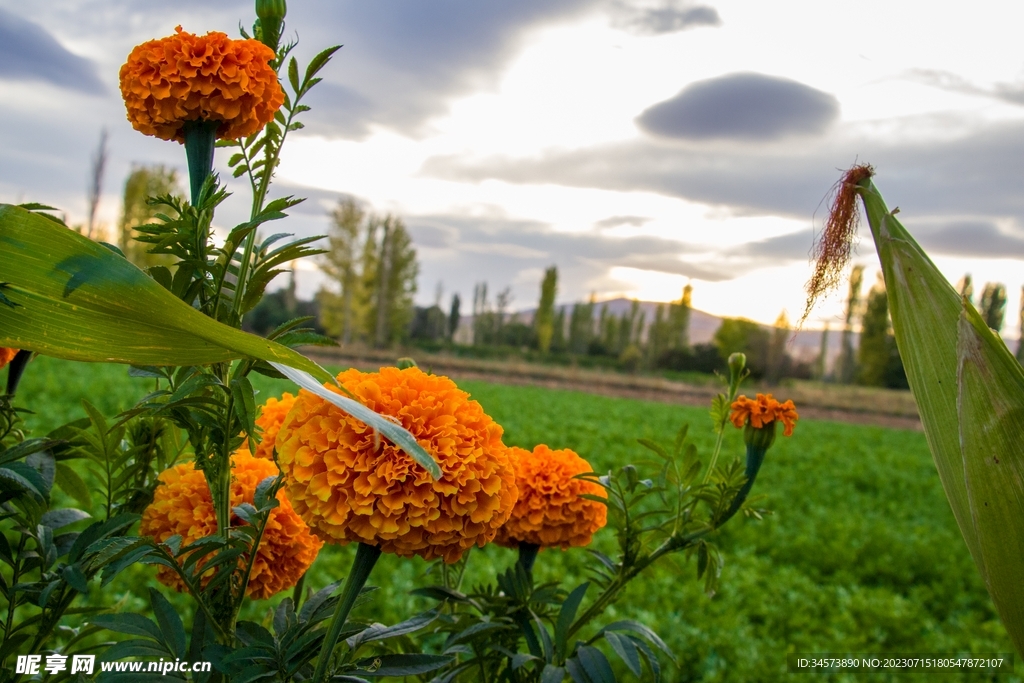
(862,553)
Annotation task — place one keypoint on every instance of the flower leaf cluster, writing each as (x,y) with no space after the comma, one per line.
(518,630)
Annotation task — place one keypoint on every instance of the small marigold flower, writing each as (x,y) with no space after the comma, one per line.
(182,505)
(350,485)
(550,511)
(762,412)
(6,356)
(185,77)
(271,418)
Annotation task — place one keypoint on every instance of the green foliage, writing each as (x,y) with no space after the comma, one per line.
(894,576)
(520,630)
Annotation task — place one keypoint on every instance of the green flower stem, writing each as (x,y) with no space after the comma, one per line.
(366,557)
(714,454)
(15,370)
(737,373)
(755,457)
(527,556)
(200,137)
(758,443)
(627,574)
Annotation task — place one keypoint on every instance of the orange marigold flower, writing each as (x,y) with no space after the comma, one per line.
(763,411)
(350,485)
(271,418)
(6,356)
(550,511)
(185,77)
(182,506)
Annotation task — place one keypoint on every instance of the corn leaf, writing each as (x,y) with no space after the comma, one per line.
(970,394)
(991,419)
(78,300)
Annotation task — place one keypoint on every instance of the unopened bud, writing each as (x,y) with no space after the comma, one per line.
(271,19)
(737,363)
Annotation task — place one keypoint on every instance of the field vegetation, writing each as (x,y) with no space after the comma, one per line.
(862,553)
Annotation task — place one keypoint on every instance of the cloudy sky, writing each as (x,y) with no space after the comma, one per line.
(637,145)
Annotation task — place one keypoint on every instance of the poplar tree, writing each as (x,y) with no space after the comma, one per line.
(341,264)
(143,183)
(847,362)
(453,316)
(821,364)
(875,339)
(558,332)
(777,358)
(544,321)
(581,326)
(993,305)
(679,320)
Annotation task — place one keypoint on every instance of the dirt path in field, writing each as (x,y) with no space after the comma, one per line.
(857,405)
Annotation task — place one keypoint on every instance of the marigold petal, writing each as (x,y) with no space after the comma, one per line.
(7,355)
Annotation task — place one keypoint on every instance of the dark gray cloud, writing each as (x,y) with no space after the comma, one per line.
(29,53)
(967,238)
(794,246)
(404,60)
(976,174)
(401,64)
(667,17)
(742,106)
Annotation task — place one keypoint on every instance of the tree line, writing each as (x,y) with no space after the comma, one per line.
(371,265)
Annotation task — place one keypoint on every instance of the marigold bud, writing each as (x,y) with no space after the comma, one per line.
(271,19)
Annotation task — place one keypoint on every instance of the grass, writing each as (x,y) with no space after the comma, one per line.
(862,553)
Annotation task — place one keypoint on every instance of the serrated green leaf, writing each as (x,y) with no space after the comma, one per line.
(626,650)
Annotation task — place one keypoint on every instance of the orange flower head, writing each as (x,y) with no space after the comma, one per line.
(763,412)
(351,485)
(182,505)
(550,511)
(6,356)
(271,418)
(185,77)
